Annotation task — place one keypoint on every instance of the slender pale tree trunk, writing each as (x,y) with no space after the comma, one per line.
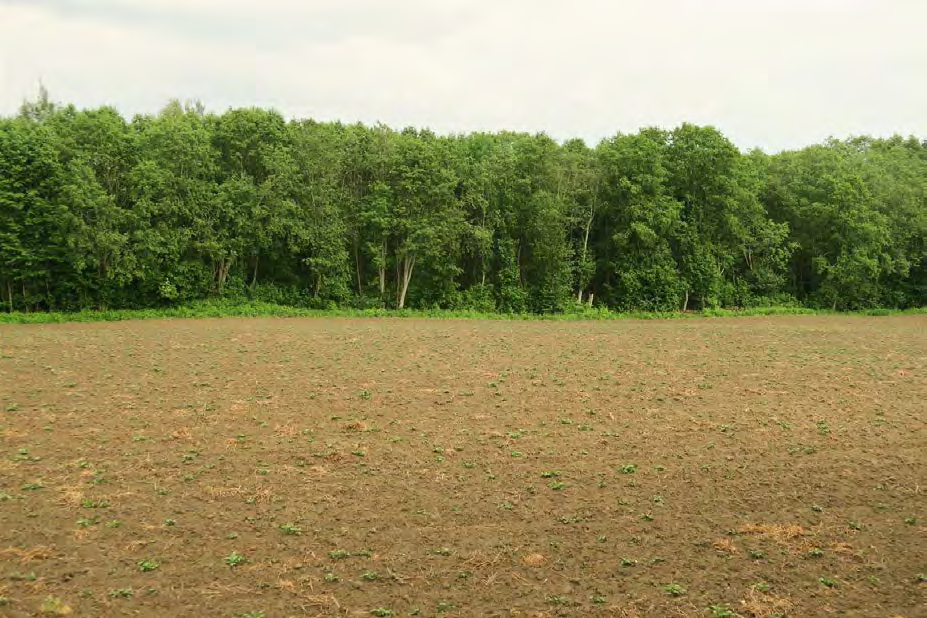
(357,265)
(408,264)
(222,273)
(383,270)
(579,294)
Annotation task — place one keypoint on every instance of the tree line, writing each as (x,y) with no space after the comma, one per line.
(97,211)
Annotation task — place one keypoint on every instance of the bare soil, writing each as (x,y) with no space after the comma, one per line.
(750,467)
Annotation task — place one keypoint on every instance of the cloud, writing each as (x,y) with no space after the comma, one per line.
(769,73)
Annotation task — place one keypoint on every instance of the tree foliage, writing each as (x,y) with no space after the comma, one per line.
(97,211)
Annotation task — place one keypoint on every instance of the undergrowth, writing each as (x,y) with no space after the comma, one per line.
(221,309)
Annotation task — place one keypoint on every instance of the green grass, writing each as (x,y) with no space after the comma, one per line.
(222,309)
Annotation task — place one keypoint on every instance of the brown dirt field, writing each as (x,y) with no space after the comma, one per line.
(772,466)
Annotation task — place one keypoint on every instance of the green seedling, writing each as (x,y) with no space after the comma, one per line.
(291,529)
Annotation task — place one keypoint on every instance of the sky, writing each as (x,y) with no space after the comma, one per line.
(773,74)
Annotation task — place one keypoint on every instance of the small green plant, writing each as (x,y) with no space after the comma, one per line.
(827,582)
(170,522)
(234,559)
(674,590)
(721,611)
(816,553)
(256,614)
(628,562)
(370,576)
(381,612)
(550,474)
(121,593)
(628,469)
(94,504)
(339,554)
(330,578)
(442,551)
(855,525)
(757,554)
(761,587)
(115,523)
(53,606)
(146,566)
(291,529)
(85,522)
(32,486)
(557,485)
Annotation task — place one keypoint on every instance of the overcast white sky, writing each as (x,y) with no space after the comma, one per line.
(769,73)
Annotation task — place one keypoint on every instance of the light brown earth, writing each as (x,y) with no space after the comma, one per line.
(765,466)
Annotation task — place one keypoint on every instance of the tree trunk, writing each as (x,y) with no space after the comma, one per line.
(408,264)
(589,300)
(579,295)
(357,265)
(685,303)
(222,273)
(257,259)
(9,293)
(383,270)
